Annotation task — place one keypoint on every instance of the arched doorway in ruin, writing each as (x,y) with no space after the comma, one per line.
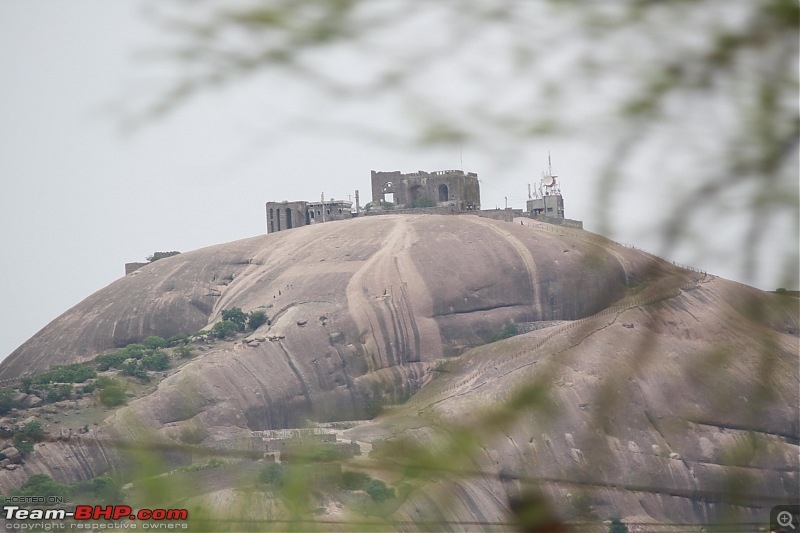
(444,193)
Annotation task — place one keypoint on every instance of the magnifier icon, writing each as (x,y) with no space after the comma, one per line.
(785,519)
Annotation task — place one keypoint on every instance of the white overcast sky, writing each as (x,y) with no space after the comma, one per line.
(80,197)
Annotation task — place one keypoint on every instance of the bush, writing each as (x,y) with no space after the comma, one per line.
(34,430)
(235,315)
(224,329)
(110,360)
(135,350)
(154,342)
(131,351)
(212,463)
(354,480)
(272,474)
(103,489)
(180,338)
(56,393)
(509,330)
(256,319)
(112,392)
(43,485)
(378,490)
(156,361)
(74,373)
(7,402)
(617,526)
(183,351)
(23,443)
(134,369)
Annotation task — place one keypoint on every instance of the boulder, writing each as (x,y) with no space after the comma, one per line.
(13,454)
(33,401)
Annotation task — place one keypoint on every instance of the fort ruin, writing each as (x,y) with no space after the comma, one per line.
(287,215)
(441,192)
(440,188)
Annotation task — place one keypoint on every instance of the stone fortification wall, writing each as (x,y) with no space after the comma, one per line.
(287,215)
(290,433)
(567,222)
(441,210)
(506,215)
(133,267)
(162,255)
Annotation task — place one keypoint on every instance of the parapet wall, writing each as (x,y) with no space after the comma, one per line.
(441,210)
(506,215)
(567,222)
(133,267)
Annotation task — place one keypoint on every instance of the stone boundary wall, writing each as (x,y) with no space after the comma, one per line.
(133,267)
(290,433)
(504,215)
(10,381)
(567,222)
(440,210)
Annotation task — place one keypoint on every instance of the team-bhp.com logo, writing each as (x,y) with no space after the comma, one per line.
(96,512)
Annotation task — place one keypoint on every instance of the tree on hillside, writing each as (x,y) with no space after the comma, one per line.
(235,315)
(617,526)
(6,400)
(256,319)
(224,329)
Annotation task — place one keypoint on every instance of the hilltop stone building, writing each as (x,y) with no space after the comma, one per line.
(287,215)
(551,205)
(442,192)
(427,189)
(451,190)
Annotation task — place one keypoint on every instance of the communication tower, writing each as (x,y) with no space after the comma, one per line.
(547,199)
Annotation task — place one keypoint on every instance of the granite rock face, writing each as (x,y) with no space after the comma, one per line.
(654,373)
(690,417)
(405,288)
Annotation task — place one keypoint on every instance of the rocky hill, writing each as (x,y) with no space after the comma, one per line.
(657,386)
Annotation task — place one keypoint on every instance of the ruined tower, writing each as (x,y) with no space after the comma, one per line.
(427,189)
